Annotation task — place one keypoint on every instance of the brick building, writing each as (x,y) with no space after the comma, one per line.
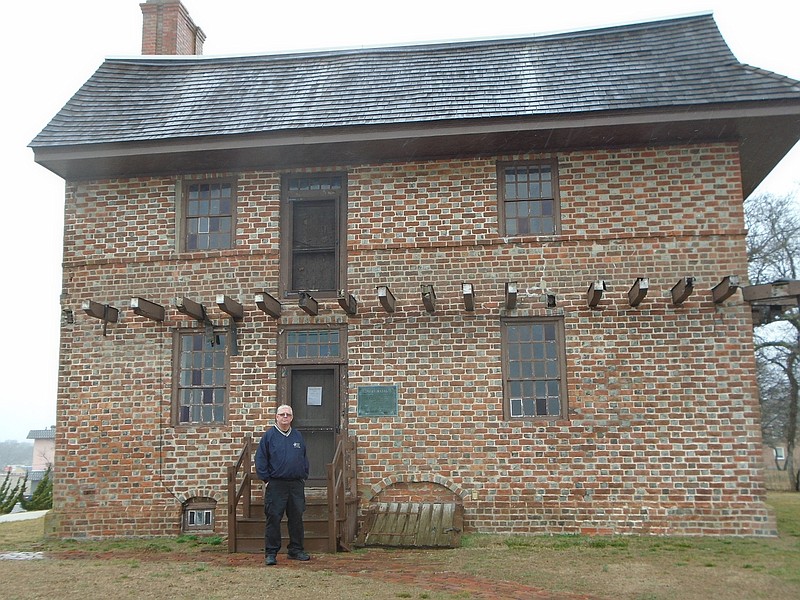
(506,270)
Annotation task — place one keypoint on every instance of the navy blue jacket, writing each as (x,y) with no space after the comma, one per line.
(281,456)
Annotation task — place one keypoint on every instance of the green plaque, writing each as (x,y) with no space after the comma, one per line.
(377,401)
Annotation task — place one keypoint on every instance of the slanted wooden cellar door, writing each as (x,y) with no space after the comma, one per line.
(314,397)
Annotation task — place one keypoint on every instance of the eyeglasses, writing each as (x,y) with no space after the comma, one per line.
(285,415)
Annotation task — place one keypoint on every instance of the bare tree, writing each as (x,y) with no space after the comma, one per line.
(773,246)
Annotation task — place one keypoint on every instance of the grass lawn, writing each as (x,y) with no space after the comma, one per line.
(618,567)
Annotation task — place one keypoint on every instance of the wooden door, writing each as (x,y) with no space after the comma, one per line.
(314,397)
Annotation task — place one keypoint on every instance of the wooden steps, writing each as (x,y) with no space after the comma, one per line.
(324,531)
(250,538)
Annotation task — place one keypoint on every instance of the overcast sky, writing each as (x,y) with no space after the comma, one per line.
(50,47)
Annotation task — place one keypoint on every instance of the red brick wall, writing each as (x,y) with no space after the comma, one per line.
(663,431)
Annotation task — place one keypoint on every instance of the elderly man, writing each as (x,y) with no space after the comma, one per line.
(282,464)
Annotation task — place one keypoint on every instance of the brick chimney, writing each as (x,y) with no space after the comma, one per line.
(167,28)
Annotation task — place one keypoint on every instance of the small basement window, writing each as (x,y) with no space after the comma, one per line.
(198,515)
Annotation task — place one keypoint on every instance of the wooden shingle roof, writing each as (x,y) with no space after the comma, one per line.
(674,65)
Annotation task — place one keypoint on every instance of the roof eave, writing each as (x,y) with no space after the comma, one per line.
(766,131)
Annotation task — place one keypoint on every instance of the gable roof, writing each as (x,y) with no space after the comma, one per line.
(42,434)
(671,66)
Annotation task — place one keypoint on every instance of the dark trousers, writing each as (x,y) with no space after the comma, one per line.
(281,497)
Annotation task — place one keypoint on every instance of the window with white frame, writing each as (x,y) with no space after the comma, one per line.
(198,515)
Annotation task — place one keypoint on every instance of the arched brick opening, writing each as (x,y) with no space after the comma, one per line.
(416,487)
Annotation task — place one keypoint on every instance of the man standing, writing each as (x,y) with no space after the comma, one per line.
(282,464)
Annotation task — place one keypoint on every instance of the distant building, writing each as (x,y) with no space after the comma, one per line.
(44,448)
(16,473)
(776,477)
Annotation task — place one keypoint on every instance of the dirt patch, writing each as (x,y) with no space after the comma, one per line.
(419,570)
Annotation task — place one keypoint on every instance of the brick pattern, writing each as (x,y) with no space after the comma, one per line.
(663,434)
(167,29)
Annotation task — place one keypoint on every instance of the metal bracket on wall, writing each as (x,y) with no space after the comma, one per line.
(108,314)
(234,337)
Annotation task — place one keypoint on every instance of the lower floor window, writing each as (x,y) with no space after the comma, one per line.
(534,368)
(199,515)
(199,518)
(201,377)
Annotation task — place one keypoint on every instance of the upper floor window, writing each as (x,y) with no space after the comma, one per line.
(313,233)
(528,194)
(201,377)
(534,368)
(209,215)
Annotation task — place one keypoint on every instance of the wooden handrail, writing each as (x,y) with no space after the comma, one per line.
(240,484)
(244,463)
(336,494)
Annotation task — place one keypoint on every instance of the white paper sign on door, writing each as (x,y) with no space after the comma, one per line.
(314,396)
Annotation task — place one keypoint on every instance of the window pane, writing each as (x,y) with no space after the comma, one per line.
(516,407)
(527,370)
(541,406)
(552,369)
(528,409)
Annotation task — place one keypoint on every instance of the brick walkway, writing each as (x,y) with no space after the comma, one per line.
(412,567)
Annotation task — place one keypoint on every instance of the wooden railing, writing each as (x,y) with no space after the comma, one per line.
(336,494)
(341,508)
(241,469)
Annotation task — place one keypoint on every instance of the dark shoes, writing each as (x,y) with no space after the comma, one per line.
(271,559)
